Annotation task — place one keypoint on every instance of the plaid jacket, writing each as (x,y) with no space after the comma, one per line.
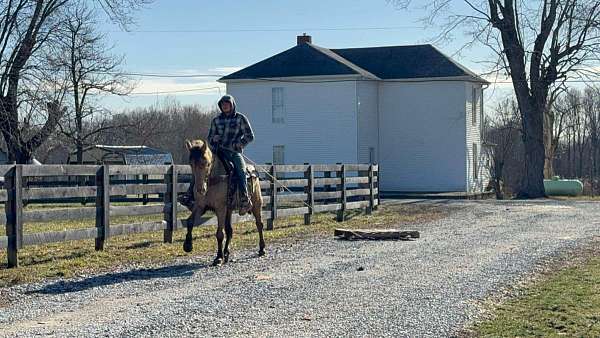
(232,129)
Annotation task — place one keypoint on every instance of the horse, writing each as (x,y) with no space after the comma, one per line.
(211,193)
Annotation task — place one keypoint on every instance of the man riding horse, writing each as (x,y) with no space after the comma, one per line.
(230,132)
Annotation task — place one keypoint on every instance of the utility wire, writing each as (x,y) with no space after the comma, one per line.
(258,30)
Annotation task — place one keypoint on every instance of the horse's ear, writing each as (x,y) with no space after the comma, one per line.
(188,144)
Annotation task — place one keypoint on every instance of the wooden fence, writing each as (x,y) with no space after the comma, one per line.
(312,188)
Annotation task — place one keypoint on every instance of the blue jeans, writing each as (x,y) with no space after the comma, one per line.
(239,169)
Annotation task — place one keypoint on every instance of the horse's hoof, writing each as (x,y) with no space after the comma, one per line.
(188,246)
(218,261)
(261,253)
(226,259)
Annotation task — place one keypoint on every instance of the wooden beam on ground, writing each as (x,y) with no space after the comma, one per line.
(376,234)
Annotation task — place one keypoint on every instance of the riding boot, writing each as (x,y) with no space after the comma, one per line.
(245,204)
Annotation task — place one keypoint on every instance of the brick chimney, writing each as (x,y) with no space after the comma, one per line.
(300,39)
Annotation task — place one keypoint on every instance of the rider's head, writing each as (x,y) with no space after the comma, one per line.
(227,104)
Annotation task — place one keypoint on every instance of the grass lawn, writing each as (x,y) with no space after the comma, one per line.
(565,303)
(74,258)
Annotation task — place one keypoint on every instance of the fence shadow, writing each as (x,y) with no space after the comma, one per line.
(63,287)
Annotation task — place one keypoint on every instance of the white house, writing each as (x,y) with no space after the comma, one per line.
(412,109)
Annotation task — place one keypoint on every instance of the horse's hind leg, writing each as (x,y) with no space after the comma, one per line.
(228,236)
(256,211)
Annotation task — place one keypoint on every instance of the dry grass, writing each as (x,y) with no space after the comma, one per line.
(74,258)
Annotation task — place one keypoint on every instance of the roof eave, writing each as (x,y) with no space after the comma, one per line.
(308,78)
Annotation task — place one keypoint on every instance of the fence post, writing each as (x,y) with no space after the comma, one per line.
(102,206)
(342,188)
(361,174)
(327,187)
(170,198)
(371,195)
(14,214)
(309,189)
(273,187)
(376,174)
(145,196)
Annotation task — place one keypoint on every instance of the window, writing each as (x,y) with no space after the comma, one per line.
(278,112)
(371,155)
(475,161)
(474,106)
(278,154)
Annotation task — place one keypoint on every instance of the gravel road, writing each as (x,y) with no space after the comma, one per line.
(318,287)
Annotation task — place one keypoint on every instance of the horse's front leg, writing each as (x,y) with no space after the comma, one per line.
(221,220)
(188,244)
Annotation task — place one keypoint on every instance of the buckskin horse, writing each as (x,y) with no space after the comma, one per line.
(211,191)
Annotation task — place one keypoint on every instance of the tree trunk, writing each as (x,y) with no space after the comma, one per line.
(79,153)
(533,139)
(549,147)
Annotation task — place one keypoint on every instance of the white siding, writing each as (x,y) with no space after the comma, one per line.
(473,136)
(320,120)
(422,136)
(367,120)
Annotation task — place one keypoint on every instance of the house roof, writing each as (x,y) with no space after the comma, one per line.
(395,62)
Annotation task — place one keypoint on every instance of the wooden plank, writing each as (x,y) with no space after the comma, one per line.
(46,215)
(290,168)
(326,181)
(136,210)
(183,169)
(357,180)
(356,167)
(3,242)
(3,195)
(137,189)
(261,168)
(291,197)
(292,211)
(60,236)
(321,195)
(290,183)
(327,207)
(235,218)
(357,205)
(265,184)
(357,192)
(58,192)
(134,228)
(139,169)
(266,200)
(376,234)
(59,170)
(326,167)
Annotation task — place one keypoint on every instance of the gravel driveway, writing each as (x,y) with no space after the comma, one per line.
(426,287)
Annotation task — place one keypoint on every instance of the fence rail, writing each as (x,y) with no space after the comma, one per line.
(305,189)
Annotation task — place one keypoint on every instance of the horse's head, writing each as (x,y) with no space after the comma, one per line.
(201,160)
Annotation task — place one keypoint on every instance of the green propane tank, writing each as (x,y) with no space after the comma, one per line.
(558,187)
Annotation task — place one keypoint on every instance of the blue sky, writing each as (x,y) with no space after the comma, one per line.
(216,52)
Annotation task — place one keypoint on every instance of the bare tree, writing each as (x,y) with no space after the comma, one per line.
(503,132)
(27,27)
(91,71)
(540,44)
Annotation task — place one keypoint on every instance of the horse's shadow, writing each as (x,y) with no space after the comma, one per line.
(62,287)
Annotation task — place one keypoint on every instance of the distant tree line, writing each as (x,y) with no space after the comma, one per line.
(575,139)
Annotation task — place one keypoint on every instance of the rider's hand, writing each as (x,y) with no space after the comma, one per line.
(237,146)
